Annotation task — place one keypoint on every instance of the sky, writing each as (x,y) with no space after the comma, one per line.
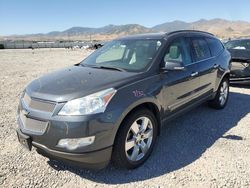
(42,16)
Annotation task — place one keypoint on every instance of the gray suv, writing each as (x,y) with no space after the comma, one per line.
(113,104)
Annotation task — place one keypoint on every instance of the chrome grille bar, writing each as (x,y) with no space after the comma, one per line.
(37,104)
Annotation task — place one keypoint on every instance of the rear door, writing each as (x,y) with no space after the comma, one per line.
(217,49)
(206,65)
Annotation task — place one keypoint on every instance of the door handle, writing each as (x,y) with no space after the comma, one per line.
(194,74)
(216,66)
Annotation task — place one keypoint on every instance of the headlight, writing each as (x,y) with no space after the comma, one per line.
(91,104)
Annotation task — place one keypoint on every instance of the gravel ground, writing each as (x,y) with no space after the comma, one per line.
(204,148)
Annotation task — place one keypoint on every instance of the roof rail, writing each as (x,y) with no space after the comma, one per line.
(179,31)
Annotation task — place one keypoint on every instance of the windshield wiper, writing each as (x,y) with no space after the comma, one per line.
(103,67)
(111,68)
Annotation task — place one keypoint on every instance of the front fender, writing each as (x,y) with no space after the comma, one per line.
(131,96)
(138,103)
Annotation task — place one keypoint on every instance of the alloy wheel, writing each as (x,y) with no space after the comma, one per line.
(139,139)
(223,93)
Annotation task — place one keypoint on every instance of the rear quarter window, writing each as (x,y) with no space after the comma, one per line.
(215,46)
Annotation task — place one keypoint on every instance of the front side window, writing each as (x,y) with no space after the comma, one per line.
(201,50)
(178,52)
(129,55)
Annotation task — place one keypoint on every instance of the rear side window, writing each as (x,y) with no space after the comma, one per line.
(200,49)
(215,46)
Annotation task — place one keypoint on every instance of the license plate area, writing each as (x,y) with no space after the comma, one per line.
(24,140)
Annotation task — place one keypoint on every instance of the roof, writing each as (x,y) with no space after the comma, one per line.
(190,31)
(162,35)
(145,36)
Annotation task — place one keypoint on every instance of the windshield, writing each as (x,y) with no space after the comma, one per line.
(130,55)
(238,44)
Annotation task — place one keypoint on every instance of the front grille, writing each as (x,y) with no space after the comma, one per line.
(29,125)
(37,104)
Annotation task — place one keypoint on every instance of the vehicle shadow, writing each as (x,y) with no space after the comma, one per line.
(182,142)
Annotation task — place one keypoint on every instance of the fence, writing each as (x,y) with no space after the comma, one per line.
(30,44)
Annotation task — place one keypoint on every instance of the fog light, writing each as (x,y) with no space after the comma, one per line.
(74,143)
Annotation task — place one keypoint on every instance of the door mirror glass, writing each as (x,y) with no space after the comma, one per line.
(170,65)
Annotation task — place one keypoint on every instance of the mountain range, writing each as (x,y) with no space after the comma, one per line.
(219,27)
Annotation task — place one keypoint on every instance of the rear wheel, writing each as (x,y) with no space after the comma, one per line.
(135,139)
(221,98)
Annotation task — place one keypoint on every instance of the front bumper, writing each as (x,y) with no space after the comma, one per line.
(94,160)
(45,129)
(240,73)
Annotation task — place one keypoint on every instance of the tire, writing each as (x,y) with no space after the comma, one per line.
(222,94)
(127,144)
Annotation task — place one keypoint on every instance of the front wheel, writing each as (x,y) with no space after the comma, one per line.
(135,139)
(221,98)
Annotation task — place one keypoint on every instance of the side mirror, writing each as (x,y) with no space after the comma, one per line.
(172,66)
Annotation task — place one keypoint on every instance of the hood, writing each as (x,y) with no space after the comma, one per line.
(75,82)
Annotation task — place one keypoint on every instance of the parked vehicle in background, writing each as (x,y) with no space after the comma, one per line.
(96,45)
(113,104)
(240,52)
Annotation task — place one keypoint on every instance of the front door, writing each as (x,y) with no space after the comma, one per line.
(179,86)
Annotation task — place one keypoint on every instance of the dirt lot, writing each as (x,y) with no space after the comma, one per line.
(204,148)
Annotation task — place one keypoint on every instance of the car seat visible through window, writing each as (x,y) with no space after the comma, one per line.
(174,54)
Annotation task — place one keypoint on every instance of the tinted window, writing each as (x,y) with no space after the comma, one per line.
(215,46)
(200,49)
(178,51)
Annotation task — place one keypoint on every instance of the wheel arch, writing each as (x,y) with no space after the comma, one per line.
(150,105)
(225,75)
(117,158)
